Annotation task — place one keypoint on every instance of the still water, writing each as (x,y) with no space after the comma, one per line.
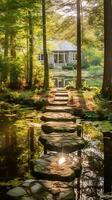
(19,144)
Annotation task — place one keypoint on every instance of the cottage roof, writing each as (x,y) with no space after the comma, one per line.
(61,45)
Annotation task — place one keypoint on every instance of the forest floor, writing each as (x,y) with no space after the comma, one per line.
(90,100)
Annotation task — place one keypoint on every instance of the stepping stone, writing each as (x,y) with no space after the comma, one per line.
(61,190)
(61,94)
(59,127)
(58,109)
(61,90)
(58,103)
(61,99)
(57,167)
(16,192)
(54,116)
(66,142)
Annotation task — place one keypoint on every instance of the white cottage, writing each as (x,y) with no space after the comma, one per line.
(61,59)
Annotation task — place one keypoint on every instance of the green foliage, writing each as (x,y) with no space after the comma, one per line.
(15,72)
(68,67)
(3,87)
(93,77)
(4,69)
(27,98)
(91,57)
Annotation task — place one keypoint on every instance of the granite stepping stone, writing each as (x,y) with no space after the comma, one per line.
(61,98)
(61,190)
(61,90)
(50,167)
(59,127)
(58,142)
(58,103)
(58,109)
(61,94)
(54,116)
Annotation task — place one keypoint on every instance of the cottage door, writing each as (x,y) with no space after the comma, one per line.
(60,83)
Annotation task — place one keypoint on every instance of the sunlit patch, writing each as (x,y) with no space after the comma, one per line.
(61,160)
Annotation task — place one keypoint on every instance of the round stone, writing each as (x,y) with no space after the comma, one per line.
(16,192)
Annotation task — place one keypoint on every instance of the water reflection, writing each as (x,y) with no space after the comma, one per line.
(17,148)
(8,152)
(31,146)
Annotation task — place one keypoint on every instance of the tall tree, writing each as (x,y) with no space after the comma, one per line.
(78,81)
(30,49)
(46,67)
(107,78)
(6,43)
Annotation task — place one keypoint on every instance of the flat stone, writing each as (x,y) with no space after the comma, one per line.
(27,198)
(54,116)
(61,98)
(61,90)
(29,182)
(61,190)
(50,169)
(67,195)
(58,103)
(64,94)
(35,188)
(59,127)
(58,109)
(56,187)
(66,142)
(16,192)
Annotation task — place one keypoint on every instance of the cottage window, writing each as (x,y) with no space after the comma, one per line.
(73,56)
(61,58)
(55,58)
(41,57)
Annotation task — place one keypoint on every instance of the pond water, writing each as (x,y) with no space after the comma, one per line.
(19,144)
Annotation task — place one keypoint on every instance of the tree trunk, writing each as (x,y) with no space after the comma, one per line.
(27,58)
(6,44)
(12,45)
(107,78)
(30,50)
(78,81)
(46,68)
